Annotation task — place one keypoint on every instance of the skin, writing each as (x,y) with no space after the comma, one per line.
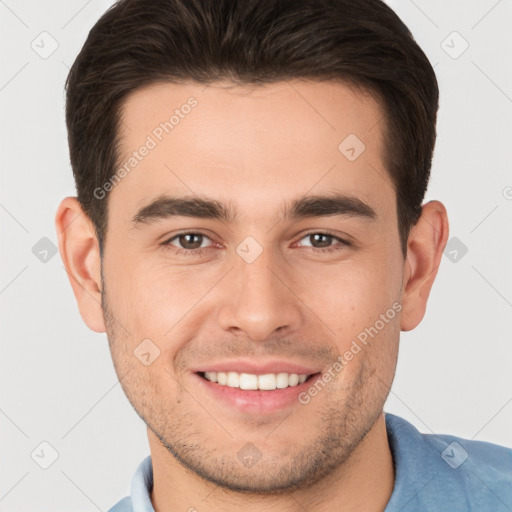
(256,149)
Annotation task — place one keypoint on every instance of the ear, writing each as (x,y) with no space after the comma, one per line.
(425,246)
(79,250)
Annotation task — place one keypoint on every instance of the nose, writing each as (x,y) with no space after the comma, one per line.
(258,301)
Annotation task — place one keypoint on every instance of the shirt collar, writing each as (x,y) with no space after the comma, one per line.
(141,487)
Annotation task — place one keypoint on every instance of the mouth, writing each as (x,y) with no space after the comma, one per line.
(254,382)
(255,390)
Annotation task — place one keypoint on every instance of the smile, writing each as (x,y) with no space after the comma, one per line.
(250,381)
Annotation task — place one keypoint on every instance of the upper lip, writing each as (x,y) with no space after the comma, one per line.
(256,367)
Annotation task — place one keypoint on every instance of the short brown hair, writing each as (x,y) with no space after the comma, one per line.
(363,43)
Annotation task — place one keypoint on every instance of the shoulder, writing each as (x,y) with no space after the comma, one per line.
(125,505)
(442,469)
(140,490)
(450,447)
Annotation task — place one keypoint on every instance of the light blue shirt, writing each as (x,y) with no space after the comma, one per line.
(434,473)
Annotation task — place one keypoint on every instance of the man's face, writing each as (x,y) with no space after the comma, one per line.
(266,289)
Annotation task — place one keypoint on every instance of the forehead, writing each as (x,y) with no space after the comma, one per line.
(252,144)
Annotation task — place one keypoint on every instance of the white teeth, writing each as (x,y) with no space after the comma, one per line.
(211,376)
(293,379)
(233,380)
(248,381)
(282,380)
(251,381)
(267,381)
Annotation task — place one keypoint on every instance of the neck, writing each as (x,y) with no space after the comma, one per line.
(363,483)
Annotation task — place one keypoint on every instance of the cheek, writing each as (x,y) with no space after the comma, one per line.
(151,297)
(359,302)
(161,305)
(351,295)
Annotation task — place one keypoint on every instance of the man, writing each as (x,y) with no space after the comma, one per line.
(250,234)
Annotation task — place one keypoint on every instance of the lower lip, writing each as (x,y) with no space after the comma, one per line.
(257,401)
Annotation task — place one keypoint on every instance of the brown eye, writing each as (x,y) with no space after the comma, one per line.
(190,241)
(323,242)
(320,240)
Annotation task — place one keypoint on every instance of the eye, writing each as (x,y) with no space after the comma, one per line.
(324,242)
(188,241)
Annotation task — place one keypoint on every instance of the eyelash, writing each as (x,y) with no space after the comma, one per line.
(200,250)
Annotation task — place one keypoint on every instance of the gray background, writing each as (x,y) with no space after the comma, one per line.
(57,383)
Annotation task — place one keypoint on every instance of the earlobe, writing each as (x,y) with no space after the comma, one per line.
(79,250)
(425,247)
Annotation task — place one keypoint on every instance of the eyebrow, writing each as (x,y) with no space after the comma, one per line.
(165,207)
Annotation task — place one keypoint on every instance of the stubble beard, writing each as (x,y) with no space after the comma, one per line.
(342,424)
